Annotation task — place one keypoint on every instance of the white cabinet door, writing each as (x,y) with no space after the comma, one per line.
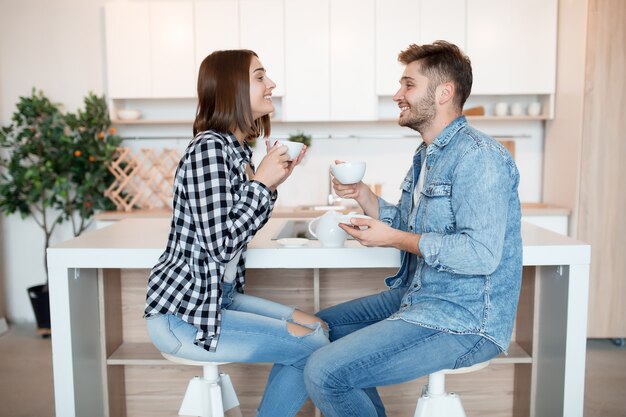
(127,27)
(397,26)
(352,60)
(512,45)
(307,73)
(261,24)
(489,45)
(216,27)
(172,52)
(533,63)
(433,12)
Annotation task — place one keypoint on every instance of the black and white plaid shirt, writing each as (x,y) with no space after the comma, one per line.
(217,211)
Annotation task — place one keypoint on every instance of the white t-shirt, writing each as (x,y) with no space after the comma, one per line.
(231,269)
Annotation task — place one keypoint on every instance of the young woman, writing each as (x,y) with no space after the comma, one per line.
(195,306)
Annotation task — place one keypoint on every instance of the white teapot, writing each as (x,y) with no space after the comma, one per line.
(328,231)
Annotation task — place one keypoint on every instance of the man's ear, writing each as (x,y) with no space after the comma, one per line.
(446,93)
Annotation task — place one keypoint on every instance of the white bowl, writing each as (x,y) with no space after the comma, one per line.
(348,172)
(294,148)
(128,114)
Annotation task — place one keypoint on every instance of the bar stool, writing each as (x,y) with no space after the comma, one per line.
(210,395)
(436,402)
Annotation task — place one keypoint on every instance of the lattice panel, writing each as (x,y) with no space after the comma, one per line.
(142,181)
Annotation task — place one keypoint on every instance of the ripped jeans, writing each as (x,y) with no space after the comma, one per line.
(252,330)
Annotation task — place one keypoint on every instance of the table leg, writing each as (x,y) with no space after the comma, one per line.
(76,349)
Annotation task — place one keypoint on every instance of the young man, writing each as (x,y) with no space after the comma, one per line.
(452,303)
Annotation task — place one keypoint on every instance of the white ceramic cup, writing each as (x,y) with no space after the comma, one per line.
(534,109)
(294,148)
(501,109)
(517,109)
(348,172)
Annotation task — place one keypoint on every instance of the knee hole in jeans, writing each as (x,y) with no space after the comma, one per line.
(297,330)
(301,317)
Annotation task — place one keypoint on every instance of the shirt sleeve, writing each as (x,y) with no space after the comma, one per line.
(225,218)
(482,188)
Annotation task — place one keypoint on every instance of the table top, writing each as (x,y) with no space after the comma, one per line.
(138,243)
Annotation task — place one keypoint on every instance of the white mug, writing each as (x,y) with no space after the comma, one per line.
(501,109)
(517,109)
(534,109)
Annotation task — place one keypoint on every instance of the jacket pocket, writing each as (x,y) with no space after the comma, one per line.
(436,207)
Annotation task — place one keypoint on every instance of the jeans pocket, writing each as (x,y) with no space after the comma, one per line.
(161,333)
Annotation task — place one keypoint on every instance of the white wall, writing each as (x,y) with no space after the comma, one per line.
(57,46)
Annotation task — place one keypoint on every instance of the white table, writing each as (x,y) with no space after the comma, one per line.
(562,268)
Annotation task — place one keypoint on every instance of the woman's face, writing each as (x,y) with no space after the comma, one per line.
(260,90)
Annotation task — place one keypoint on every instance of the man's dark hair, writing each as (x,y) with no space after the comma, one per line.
(442,62)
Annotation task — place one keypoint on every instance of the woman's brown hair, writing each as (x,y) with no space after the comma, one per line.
(224,95)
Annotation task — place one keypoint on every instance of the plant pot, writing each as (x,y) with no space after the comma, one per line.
(40,300)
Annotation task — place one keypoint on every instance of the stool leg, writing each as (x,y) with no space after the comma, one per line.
(436,383)
(203,396)
(229,397)
(436,402)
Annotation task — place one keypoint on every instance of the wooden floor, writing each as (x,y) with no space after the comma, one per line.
(26,376)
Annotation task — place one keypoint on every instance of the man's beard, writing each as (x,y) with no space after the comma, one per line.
(422,114)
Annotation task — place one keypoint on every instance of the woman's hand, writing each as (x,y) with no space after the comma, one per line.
(275,167)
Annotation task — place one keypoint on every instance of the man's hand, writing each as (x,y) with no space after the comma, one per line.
(379,234)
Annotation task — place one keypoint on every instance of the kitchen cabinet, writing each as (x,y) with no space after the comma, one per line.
(352,61)
(216,27)
(261,27)
(307,61)
(332,60)
(149,49)
(128,64)
(400,23)
(432,15)
(512,45)
(172,54)
(394,32)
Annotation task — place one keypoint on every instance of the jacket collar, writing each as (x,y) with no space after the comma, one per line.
(446,134)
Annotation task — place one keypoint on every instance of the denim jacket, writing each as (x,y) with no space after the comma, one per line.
(468,215)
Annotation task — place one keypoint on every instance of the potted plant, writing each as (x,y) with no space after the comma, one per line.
(300,137)
(53,168)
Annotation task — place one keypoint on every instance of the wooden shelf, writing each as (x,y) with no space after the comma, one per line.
(151,122)
(146,354)
(189,122)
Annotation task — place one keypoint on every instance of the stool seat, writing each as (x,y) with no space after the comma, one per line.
(436,402)
(183,361)
(465,370)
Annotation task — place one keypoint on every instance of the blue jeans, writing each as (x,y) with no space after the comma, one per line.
(252,330)
(370,349)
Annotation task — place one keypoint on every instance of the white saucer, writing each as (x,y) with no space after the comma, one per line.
(293,242)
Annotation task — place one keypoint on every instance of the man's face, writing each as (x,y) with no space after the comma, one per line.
(416,99)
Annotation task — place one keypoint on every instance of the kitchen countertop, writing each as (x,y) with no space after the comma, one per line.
(528,209)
